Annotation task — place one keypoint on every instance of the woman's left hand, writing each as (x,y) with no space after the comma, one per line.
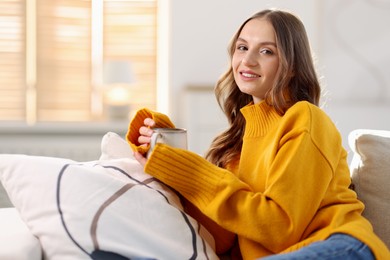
(140,158)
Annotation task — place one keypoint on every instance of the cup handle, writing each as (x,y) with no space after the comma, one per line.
(153,141)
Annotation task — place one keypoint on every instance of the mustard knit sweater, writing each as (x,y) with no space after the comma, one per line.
(290,187)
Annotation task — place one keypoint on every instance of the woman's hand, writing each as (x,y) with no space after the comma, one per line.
(140,158)
(144,138)
(146,132)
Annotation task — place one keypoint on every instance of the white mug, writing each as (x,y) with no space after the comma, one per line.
(175,137)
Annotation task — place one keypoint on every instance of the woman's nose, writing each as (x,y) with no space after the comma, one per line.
(249,59)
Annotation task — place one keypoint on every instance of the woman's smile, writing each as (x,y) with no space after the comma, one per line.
(249,75)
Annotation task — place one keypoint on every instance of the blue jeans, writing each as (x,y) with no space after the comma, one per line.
(336,247)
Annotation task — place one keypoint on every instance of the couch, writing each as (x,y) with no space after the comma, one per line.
(370,170)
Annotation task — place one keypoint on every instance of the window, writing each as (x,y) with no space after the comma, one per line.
(52,54)
(12,60)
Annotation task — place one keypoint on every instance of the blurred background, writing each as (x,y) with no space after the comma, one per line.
(72,70)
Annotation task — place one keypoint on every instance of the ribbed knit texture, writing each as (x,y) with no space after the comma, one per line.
(132,135)
(290,189)
(260,113)
(197,179)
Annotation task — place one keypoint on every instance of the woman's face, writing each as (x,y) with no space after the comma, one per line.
(255,59)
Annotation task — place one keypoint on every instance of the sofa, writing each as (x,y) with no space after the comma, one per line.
(370,169)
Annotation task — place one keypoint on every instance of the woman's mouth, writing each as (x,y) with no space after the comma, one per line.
(249,75)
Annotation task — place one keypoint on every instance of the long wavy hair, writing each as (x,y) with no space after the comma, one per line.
(296,80)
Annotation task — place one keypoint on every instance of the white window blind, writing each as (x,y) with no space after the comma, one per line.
(63,60)
(46,70)
(12,60)
(130,33)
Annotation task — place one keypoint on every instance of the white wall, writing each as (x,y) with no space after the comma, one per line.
(349,39)
(201,31)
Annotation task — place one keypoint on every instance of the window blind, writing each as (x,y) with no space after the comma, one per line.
(130,33)
(12,60)
(63,62)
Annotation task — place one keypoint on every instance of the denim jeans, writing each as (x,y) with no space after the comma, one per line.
(337,246)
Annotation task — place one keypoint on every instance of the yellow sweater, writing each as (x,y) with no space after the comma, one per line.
(290,187)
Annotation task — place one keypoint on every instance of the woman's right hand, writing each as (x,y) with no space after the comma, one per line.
(146,132)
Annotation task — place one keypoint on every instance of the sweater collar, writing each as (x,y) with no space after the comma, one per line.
(259,118)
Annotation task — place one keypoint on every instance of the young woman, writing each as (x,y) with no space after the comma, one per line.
(277,178)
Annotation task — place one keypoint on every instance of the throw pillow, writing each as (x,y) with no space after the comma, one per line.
(370,170)
(103,208)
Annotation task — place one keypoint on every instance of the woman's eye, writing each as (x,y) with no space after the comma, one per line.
(266,51)
(242,48)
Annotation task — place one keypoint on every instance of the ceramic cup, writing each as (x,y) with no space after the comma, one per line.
(175,137)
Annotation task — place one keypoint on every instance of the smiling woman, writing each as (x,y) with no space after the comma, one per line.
(52,53)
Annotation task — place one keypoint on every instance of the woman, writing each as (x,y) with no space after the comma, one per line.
(278,177)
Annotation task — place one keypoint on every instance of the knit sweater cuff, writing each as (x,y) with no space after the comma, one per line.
(191,175)
(132,135)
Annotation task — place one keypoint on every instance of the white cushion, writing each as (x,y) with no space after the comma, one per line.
(78,209)
(4,200)
(16,240)
(370,171)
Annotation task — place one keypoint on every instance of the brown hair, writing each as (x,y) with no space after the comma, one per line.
(296,80)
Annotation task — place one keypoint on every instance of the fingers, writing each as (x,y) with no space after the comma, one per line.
(146,131)
(143,140)
(149,122)
(145,134)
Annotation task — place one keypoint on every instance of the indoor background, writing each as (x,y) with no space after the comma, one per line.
(349,40)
